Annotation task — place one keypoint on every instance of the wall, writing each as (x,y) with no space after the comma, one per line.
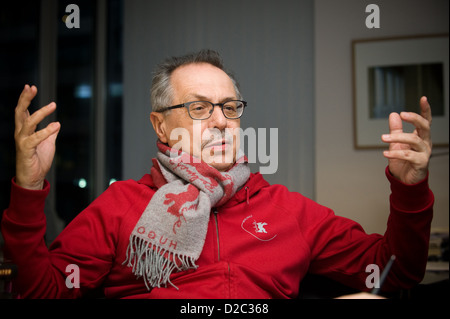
(294,64)
(268,45)
(350,181)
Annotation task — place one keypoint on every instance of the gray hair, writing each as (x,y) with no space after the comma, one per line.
(161,91)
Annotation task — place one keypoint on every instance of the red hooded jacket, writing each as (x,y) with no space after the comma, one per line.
(260,244)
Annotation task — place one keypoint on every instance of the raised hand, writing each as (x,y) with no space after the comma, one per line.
(409,153)
(35,150)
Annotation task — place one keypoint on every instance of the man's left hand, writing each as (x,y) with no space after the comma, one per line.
(409,153)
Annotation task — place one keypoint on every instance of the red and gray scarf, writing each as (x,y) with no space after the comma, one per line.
(170,234)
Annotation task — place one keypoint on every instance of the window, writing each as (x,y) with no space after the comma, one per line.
(19,47)
(74,161)
(398,88)
(86,85)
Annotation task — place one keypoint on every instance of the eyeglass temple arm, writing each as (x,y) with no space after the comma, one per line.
(171,108)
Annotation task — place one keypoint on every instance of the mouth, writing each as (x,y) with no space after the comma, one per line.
(218,145)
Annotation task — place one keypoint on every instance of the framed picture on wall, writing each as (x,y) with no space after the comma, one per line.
(390,75)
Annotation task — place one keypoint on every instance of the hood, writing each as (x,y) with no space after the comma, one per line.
(254,184)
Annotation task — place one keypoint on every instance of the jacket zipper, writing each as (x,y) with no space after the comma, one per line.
(217,234)
(218,247)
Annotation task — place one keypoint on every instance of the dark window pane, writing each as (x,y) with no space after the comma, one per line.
(114,93)
(19,52)
(75,87)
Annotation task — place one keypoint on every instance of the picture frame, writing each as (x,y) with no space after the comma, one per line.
(390,75)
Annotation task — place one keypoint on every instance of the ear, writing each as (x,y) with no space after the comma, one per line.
(159,125)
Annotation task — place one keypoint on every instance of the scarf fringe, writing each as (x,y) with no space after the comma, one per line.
(154,263)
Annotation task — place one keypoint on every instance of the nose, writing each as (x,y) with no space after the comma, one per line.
(217,118)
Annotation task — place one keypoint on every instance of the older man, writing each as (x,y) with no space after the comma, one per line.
(200,224)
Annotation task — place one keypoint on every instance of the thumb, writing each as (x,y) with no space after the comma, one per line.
(52,138)
(51,131)
(55,128)
(395,123)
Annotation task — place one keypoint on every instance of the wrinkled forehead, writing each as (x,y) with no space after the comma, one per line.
(201,81)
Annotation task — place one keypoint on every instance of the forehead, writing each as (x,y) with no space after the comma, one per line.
(201,79)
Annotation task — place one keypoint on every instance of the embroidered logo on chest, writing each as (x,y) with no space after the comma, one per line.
(257,228)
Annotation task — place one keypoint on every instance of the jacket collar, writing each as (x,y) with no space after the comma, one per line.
(254,184)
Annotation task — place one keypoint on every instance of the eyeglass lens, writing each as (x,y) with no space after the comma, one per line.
(202,110)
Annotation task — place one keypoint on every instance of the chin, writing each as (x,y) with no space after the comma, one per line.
(221,167)
(221,164)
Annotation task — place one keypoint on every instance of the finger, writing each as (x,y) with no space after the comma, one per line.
(31,122)
(51,130)
(421,124)
(25,98)
(395,123)
(395,127)
(412,140)
(425,109)
(411,156)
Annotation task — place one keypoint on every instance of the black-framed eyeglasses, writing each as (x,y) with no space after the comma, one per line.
(202,110)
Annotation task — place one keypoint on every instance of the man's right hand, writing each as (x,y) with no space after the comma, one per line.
(35,150)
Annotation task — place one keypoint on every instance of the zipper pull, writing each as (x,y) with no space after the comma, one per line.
(248,198)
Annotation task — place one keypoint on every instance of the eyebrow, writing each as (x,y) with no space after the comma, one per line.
(199,97)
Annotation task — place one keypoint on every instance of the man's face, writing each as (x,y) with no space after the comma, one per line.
(200,82)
